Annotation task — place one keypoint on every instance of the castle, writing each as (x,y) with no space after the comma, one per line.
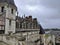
(15,30)
(10,23)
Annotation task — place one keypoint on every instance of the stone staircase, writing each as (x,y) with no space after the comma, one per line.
(48,40)
(3,43)
(33,37)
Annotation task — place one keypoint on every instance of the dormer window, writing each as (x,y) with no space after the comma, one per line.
(2,9)
(12,11)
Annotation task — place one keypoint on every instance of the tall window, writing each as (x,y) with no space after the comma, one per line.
(2,9)
(20,25)
(17,25)
(10,22)
(12,11)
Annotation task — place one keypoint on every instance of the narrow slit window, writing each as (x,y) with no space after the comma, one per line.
(12,11)
(2,9)
(10,22)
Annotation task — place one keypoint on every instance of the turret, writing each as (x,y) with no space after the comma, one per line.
(8,9)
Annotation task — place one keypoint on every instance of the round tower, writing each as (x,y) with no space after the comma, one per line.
(8,10)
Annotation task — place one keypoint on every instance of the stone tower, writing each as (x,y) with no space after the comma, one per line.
(8,11)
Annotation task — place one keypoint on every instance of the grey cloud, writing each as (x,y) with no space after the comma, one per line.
(51,3)
(47,11)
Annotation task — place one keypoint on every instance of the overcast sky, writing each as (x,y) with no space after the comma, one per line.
(46,11)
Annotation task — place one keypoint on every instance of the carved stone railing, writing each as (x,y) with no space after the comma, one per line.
(27,29)
(11,39)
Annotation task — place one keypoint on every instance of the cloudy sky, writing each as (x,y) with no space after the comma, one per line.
(46,11)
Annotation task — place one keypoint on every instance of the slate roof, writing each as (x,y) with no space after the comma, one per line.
(8,1)
(41,30)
